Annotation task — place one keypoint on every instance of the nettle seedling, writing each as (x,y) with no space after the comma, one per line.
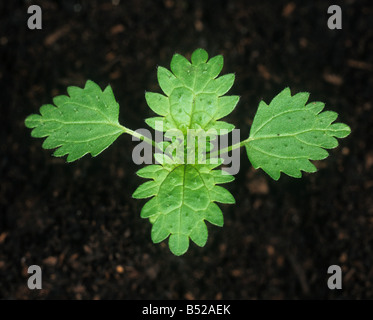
(285,135)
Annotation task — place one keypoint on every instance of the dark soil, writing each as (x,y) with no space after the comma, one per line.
(79,222)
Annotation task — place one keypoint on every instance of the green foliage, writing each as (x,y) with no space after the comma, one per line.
(193,94)
(184,196)
(84,122)
(287,134)
(284,137)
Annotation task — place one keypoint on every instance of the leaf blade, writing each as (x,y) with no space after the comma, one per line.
(84,122)
(287,134)
(185,199)
(193,94)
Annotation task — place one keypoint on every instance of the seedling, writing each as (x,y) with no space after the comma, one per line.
(285,135)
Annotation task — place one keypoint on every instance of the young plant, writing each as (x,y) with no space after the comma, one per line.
(285,135)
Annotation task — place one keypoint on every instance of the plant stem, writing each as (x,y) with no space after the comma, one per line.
(140,136)
(212,155)
(230,148)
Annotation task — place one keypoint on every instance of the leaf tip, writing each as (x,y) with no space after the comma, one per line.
(286,91)
(199,56)
(30,121)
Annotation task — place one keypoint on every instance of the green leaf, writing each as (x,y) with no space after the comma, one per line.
(287,134)
(226,105)
(84,122)
(193,95)
(199,56)
(221,125)
(158,103)
(185,197)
